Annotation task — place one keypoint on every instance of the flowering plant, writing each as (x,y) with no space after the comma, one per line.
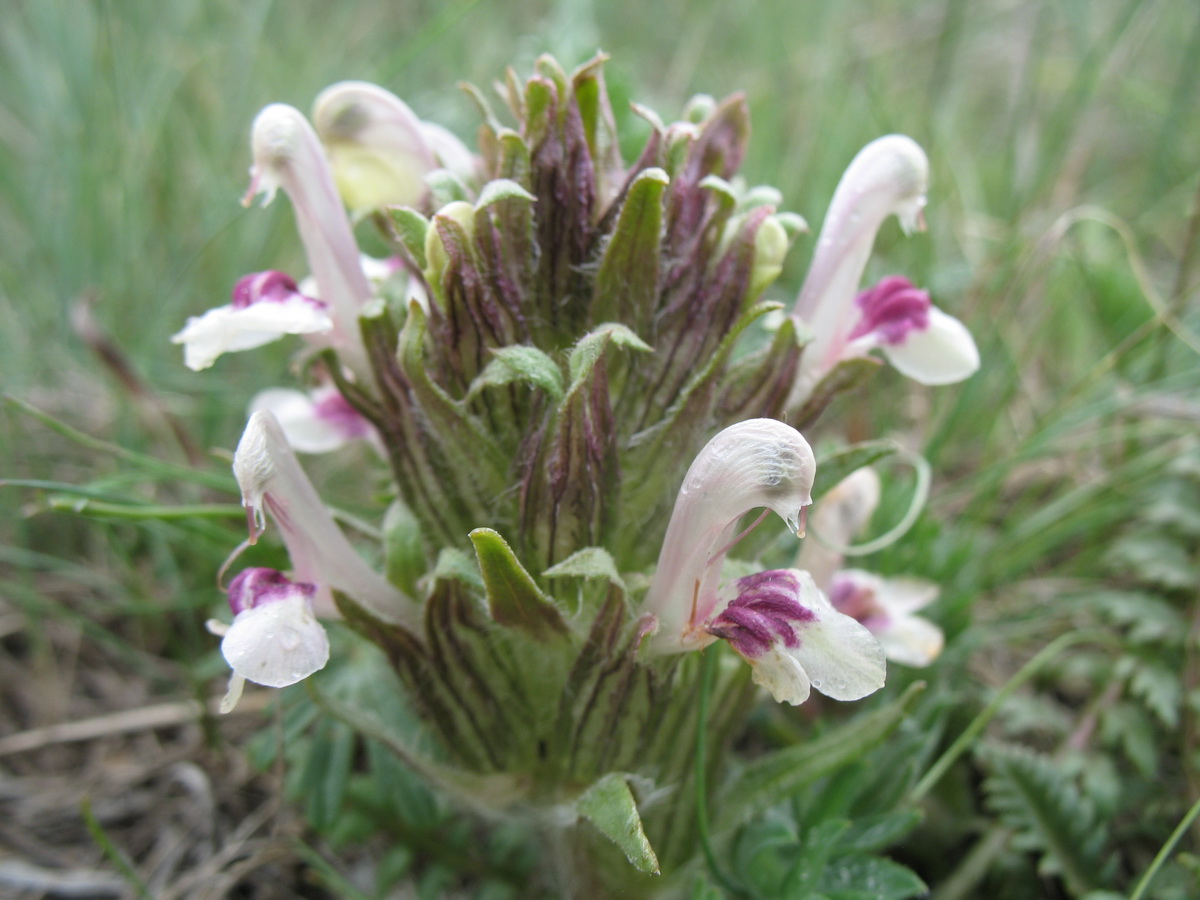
(566,367)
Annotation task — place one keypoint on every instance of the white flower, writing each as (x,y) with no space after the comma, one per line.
(319,421)
(288,155)
(265,307)
(795,640)
(918,339)
(756,463)
(889,176)
(275,639)
(884,605)
(272,481)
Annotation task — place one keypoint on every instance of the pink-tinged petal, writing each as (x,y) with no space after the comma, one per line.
(888,177)
(753,464)
(886,606)
(910,640)
(227,329)
(317,422)
(942,353)
(265,307)
(276,644)
(835,521)
(288,155)
(794,639)
(376,144)
(272,481)
(891,310)
(841,656)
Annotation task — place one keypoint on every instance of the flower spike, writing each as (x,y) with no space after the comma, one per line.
(272,481)
(288,155)
(756,463)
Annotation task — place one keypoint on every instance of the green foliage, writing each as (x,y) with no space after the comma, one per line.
(1047,814)
(122,153)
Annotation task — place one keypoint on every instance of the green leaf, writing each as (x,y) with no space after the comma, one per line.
(833,467)
(869,834)
(1155,558)
(513,597)
(520,363)
(870,878)
(446,187)
(609,805)
(847,375)
(1158,687)
(818,844)
(456,565)
(587,352)
(1150,619)
(590,562)
(777,776)
(1035,798)
(721,188)
(325,772)
(404,554)
(411,227)
(627,281)
(501,189)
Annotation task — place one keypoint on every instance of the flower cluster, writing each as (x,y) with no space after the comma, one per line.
(545,361)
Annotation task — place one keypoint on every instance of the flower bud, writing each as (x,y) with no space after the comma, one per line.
(436,257)
(771,245)
(377,146)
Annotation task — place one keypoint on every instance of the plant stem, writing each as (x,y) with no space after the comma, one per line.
(707,673)
(1166,851)
(972,731)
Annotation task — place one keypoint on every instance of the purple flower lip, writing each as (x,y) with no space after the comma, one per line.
(765,611)
(259,586)
(853,598)
(271,286)
(336,411)
(892,309)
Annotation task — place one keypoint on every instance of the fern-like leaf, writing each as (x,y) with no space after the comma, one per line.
(1048,815)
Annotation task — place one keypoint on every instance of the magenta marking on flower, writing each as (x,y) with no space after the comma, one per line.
(852,597)
(765,611)
(336,411)
(891,309)
(257,587)
(271,286)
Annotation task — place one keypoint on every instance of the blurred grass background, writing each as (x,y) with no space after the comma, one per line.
(1065,147)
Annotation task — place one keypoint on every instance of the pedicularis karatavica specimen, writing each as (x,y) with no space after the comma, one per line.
(566,368)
